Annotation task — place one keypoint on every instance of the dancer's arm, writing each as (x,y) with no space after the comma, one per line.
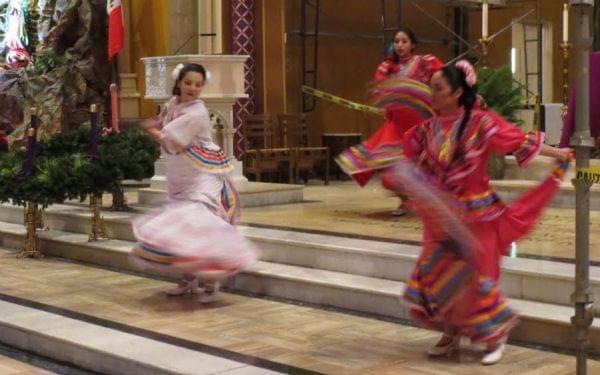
(180,133)
(153,125)
(431,65)
(562,154)
(383,70)
(414,140)
(504,137)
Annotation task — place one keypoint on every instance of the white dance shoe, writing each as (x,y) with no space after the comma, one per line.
(445,350)
(210,296)
(184,287)
(493,357)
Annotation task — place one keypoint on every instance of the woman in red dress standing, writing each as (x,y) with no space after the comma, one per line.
(402,62)
(467,228)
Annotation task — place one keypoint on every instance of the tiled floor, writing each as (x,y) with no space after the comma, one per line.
(9,366)
(319,340)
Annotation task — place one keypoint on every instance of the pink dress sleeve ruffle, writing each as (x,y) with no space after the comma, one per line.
(181,132)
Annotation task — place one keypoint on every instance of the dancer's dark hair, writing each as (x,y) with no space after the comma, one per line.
(456,78)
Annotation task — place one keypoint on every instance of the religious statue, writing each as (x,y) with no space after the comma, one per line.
(15,36)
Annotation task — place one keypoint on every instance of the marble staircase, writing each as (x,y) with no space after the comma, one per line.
(94,347)
(359,275)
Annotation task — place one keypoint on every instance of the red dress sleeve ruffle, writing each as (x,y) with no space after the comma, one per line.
(431,64)
(385,69)
(504,137)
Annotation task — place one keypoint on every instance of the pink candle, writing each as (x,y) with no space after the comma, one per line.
(565,23)
(114,107)
(484,19)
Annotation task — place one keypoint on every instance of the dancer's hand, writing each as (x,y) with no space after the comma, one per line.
(565,154)
(151,123)
(562,154)
(155,134)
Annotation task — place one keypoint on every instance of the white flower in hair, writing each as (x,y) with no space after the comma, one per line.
(176,71)
(467,68)
(207,77)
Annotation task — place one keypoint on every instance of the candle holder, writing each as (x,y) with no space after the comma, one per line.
(94,132)
(565,46)
(39,220)
(30,246)
(119,201)
(484,43)
(114,107)
(98,231)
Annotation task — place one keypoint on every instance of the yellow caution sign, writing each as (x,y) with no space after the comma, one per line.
(589,174)
(340,101)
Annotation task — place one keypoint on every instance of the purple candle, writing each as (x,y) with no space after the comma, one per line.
(31,143)
(93,151)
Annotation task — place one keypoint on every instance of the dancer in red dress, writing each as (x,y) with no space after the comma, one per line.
(454,285)
(402,62)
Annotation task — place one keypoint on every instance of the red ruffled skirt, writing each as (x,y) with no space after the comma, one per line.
(455,280)
(361,162)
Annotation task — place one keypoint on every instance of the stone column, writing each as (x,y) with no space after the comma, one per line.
(244,43)
(582,142)
(129,97)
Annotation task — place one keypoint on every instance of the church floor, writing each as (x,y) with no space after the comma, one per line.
(306,339)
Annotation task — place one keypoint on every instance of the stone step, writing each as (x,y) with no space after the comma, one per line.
(522,278)
(541,323)
(160,167)
(105,350)
(509,190)
(518,180)
(537,169)
(252,194)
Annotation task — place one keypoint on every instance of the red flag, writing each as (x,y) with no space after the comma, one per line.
(116,32)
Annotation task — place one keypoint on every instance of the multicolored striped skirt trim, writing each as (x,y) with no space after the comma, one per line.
(560,168)
(209,159)
(230,202)
(444,290)
(402,92)
(358,159)
(490,318)
(437,281)
(484,206)
(145,256)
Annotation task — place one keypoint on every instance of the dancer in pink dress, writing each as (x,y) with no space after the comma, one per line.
(194,232)
(454,286)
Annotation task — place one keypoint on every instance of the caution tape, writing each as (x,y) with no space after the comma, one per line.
(589,174)
(340,101)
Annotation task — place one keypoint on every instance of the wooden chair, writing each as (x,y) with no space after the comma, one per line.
(294,132)
(262,153)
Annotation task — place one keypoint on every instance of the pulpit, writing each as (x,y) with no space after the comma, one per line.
(225,87)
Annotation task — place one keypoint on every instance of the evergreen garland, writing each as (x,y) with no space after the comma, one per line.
(52,181)
(500,91)
(63,170)
(503,95)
